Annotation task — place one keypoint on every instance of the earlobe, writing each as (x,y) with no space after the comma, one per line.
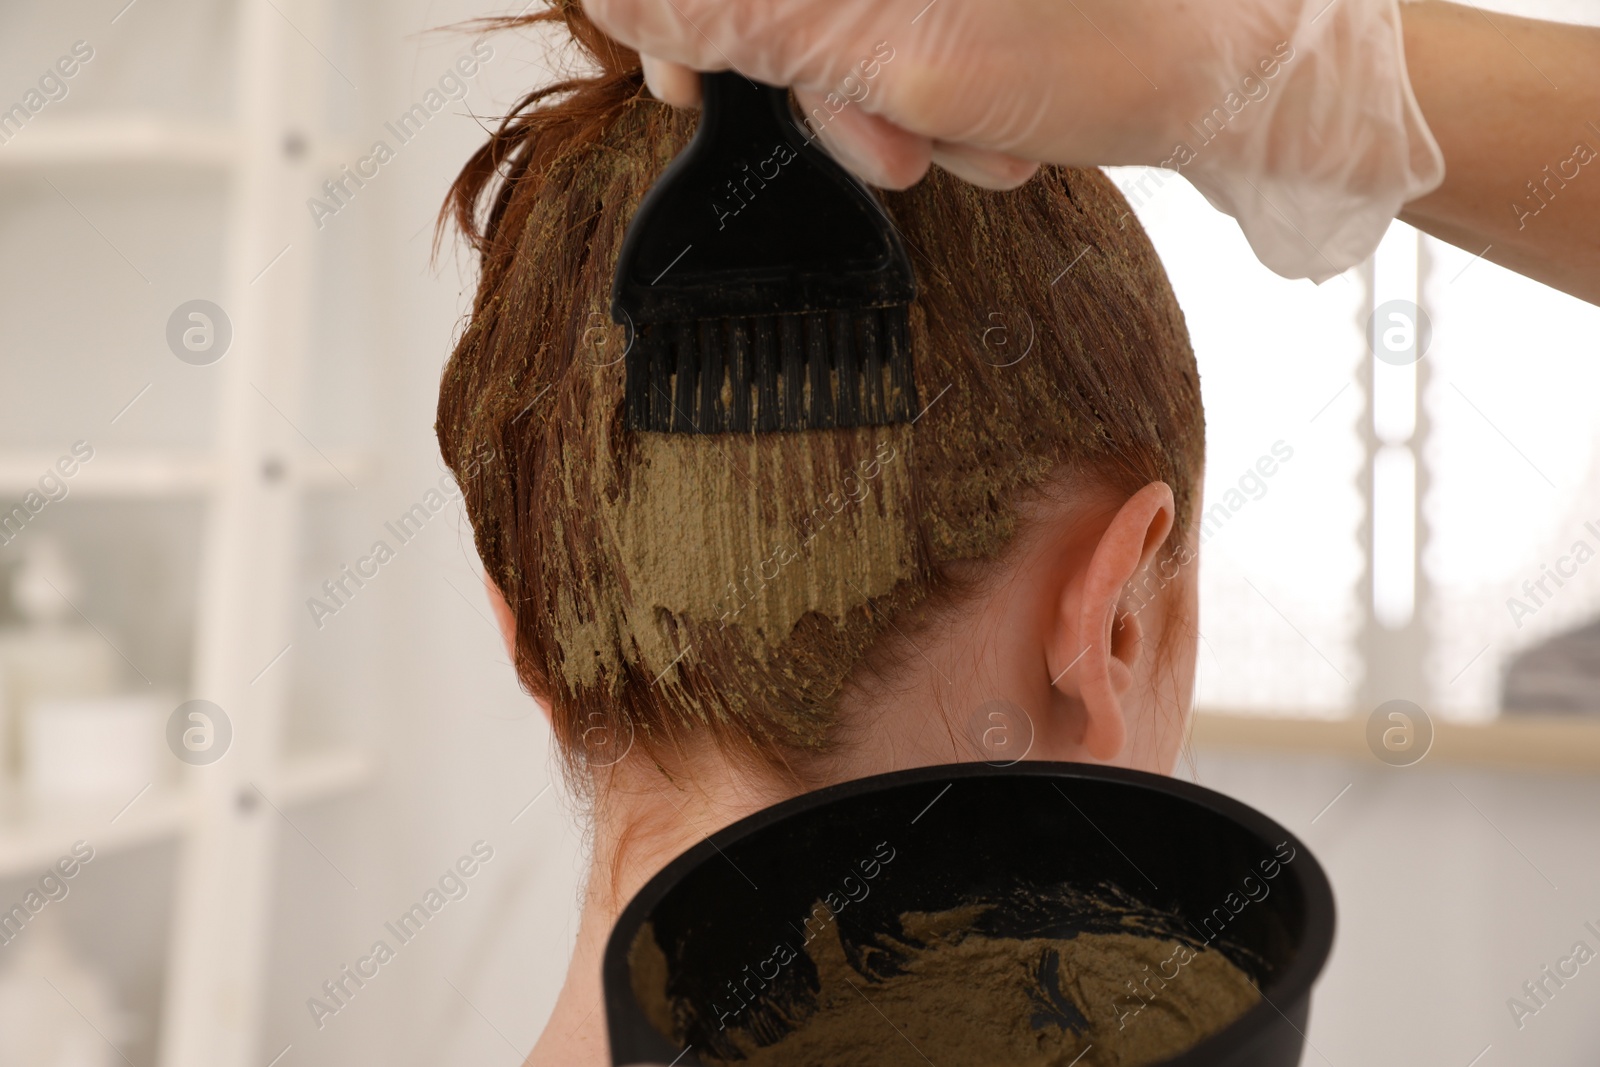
(506,622)
(1109,639)
(503,619)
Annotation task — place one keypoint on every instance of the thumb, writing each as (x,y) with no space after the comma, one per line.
(982,167)
(882,153)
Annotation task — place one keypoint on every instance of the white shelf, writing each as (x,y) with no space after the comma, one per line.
(144,141)
(1540,742)
(34,835)
(158,474)
(32,839)
(119,141)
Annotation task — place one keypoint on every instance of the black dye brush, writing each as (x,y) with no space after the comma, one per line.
(762,286)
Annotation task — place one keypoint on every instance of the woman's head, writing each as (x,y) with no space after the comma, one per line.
(763,594)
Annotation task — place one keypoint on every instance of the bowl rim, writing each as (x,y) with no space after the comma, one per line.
(1292,988)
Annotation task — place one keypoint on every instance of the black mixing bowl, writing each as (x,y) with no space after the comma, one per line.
(936,838)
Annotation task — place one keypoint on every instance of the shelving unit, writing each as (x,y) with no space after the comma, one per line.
(252,482)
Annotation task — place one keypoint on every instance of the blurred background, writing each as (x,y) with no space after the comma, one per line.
(238,737)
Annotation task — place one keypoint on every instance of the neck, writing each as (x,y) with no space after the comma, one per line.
(1003,707)
(644,818)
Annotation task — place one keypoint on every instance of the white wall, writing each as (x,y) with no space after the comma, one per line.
(1454,886)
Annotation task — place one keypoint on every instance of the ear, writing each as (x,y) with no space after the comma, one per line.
(507,623)
(1103,642)
(502,616)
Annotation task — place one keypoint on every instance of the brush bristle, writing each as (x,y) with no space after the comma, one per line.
(772,373)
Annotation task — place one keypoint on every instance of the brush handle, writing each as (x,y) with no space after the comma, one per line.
(754,218)
(730,100)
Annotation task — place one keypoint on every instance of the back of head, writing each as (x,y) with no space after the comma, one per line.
(672,588)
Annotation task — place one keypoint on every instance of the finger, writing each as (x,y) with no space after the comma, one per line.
(983,167)
(880,152)
(658,27)
(671,83)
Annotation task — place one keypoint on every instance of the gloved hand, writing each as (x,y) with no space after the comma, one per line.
(1293,116)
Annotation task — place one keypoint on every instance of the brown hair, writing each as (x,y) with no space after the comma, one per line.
(665,586)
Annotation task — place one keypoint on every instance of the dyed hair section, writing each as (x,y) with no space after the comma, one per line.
(667,587)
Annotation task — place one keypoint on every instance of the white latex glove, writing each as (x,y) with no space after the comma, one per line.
(1314,139)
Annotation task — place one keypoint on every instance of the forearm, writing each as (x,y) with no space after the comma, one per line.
(1515,106)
